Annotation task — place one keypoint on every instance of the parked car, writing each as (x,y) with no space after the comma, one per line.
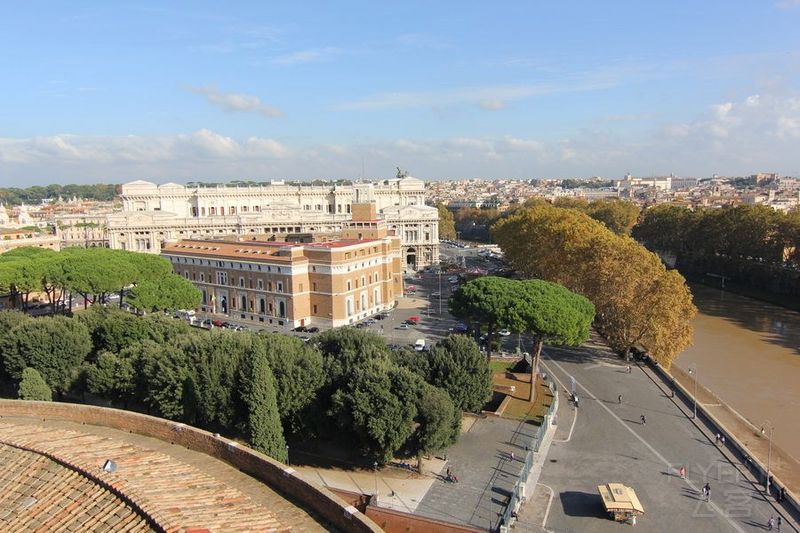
(460,328)
(404,325)
(313,329)
(300,329)
(218,323)
(419,345)
(504,333)
(436,294)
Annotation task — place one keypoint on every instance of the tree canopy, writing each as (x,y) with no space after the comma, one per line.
(33,387)
(637,301)
(447,223)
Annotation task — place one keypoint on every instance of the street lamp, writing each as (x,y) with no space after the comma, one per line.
(375,466)
(287,455)
(769,453)
(693,370)
(440,290)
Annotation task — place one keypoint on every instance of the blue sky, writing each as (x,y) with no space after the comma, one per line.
(95,91)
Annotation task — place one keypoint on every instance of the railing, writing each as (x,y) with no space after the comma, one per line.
(517,493)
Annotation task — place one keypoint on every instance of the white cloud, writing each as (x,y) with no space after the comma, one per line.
(492,105)
(236,102)
(787,4)
(307,56)
(734,137)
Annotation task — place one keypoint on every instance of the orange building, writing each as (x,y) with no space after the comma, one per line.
(292,284)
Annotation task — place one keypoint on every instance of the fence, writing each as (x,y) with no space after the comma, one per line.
(518,492)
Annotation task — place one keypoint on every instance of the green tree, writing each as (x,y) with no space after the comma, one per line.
(484,302)
(55,346)
(168,293)
(298,371)
(550,313)
(447,223)
(164,372)
(33,387)
(457,366)
(438,420)
(263,424)
(368,406)
(112,376)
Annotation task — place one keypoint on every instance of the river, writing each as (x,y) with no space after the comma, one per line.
(748,353)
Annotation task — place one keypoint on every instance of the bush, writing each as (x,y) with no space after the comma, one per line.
(33,387)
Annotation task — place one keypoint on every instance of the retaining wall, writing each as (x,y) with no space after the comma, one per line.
(277,475)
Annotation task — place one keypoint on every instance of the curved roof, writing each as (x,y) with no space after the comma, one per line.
(41,494)
(179,489)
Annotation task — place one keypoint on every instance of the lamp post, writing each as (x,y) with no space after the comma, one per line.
(440,290)
(287,455)
(693,370)
(769,453)
(375,467)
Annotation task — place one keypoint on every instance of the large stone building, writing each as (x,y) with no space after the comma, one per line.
(154,215)
(292,284)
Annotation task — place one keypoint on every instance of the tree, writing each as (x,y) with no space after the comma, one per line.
(457,366)
(634,296)
(617,215)
(447,223)
(552,314)
(263,423)
(369,407)
(168,293)
(438,419)
(55,346)
(33,387)
(164,372)
(298,371)
(483,301)
(112,376)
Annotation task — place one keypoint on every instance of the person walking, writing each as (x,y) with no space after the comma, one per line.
(707,491)
(682,472)
(779,523)
(771,523)
(512,456)
(628,369)
(716,439)
(619,398)
(722,440)
(643,419)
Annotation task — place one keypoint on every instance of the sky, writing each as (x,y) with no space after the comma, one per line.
(177,91)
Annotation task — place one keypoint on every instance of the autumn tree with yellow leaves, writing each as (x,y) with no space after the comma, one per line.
(637,300)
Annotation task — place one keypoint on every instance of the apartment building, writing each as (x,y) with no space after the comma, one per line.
(292,284)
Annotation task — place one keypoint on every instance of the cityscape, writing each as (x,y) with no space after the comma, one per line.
(409,268)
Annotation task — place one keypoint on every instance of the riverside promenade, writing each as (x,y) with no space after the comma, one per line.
(606,440)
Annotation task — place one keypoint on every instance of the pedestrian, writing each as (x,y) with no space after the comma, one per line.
(783,493)
(704,492)
(512,456)
(779,523)
(707,491)
(771,523)
(722,440)
(716,438)
(628,369)
(619,398)
(643,419)
(682,472)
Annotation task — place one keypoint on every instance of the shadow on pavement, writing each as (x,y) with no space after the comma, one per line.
(582,504)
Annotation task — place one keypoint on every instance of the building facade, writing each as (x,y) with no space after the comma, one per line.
(332,283)
(154,215)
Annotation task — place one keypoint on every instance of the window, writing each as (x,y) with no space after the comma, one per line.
(350,306)
(280,286)
(349,285)
(269,286)
(315,309)
(241,282)
(261,305)
(363,281)
(314,286)
(202,277)
(222,278)
(260,284)
(244,303)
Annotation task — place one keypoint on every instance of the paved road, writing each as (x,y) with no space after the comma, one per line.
(609,443)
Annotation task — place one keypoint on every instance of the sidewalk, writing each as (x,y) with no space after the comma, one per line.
(740,429)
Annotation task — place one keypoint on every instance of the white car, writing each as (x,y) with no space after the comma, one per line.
(504,333)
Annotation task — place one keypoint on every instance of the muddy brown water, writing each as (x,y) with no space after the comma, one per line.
(748,353)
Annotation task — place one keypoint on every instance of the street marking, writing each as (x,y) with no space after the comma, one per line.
(575,411)
(549,503)
(647,444)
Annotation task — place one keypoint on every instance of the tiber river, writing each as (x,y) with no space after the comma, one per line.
(748,354)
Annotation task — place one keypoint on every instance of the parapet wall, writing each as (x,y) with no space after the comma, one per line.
(275,474)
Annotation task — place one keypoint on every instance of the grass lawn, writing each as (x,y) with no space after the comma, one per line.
(500,366)
(519,407)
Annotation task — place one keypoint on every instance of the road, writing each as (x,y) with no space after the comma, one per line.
(609,443)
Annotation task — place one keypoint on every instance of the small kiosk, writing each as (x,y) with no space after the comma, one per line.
(621,502)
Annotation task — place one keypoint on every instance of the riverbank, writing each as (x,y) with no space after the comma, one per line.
(782,300)
(747,353)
